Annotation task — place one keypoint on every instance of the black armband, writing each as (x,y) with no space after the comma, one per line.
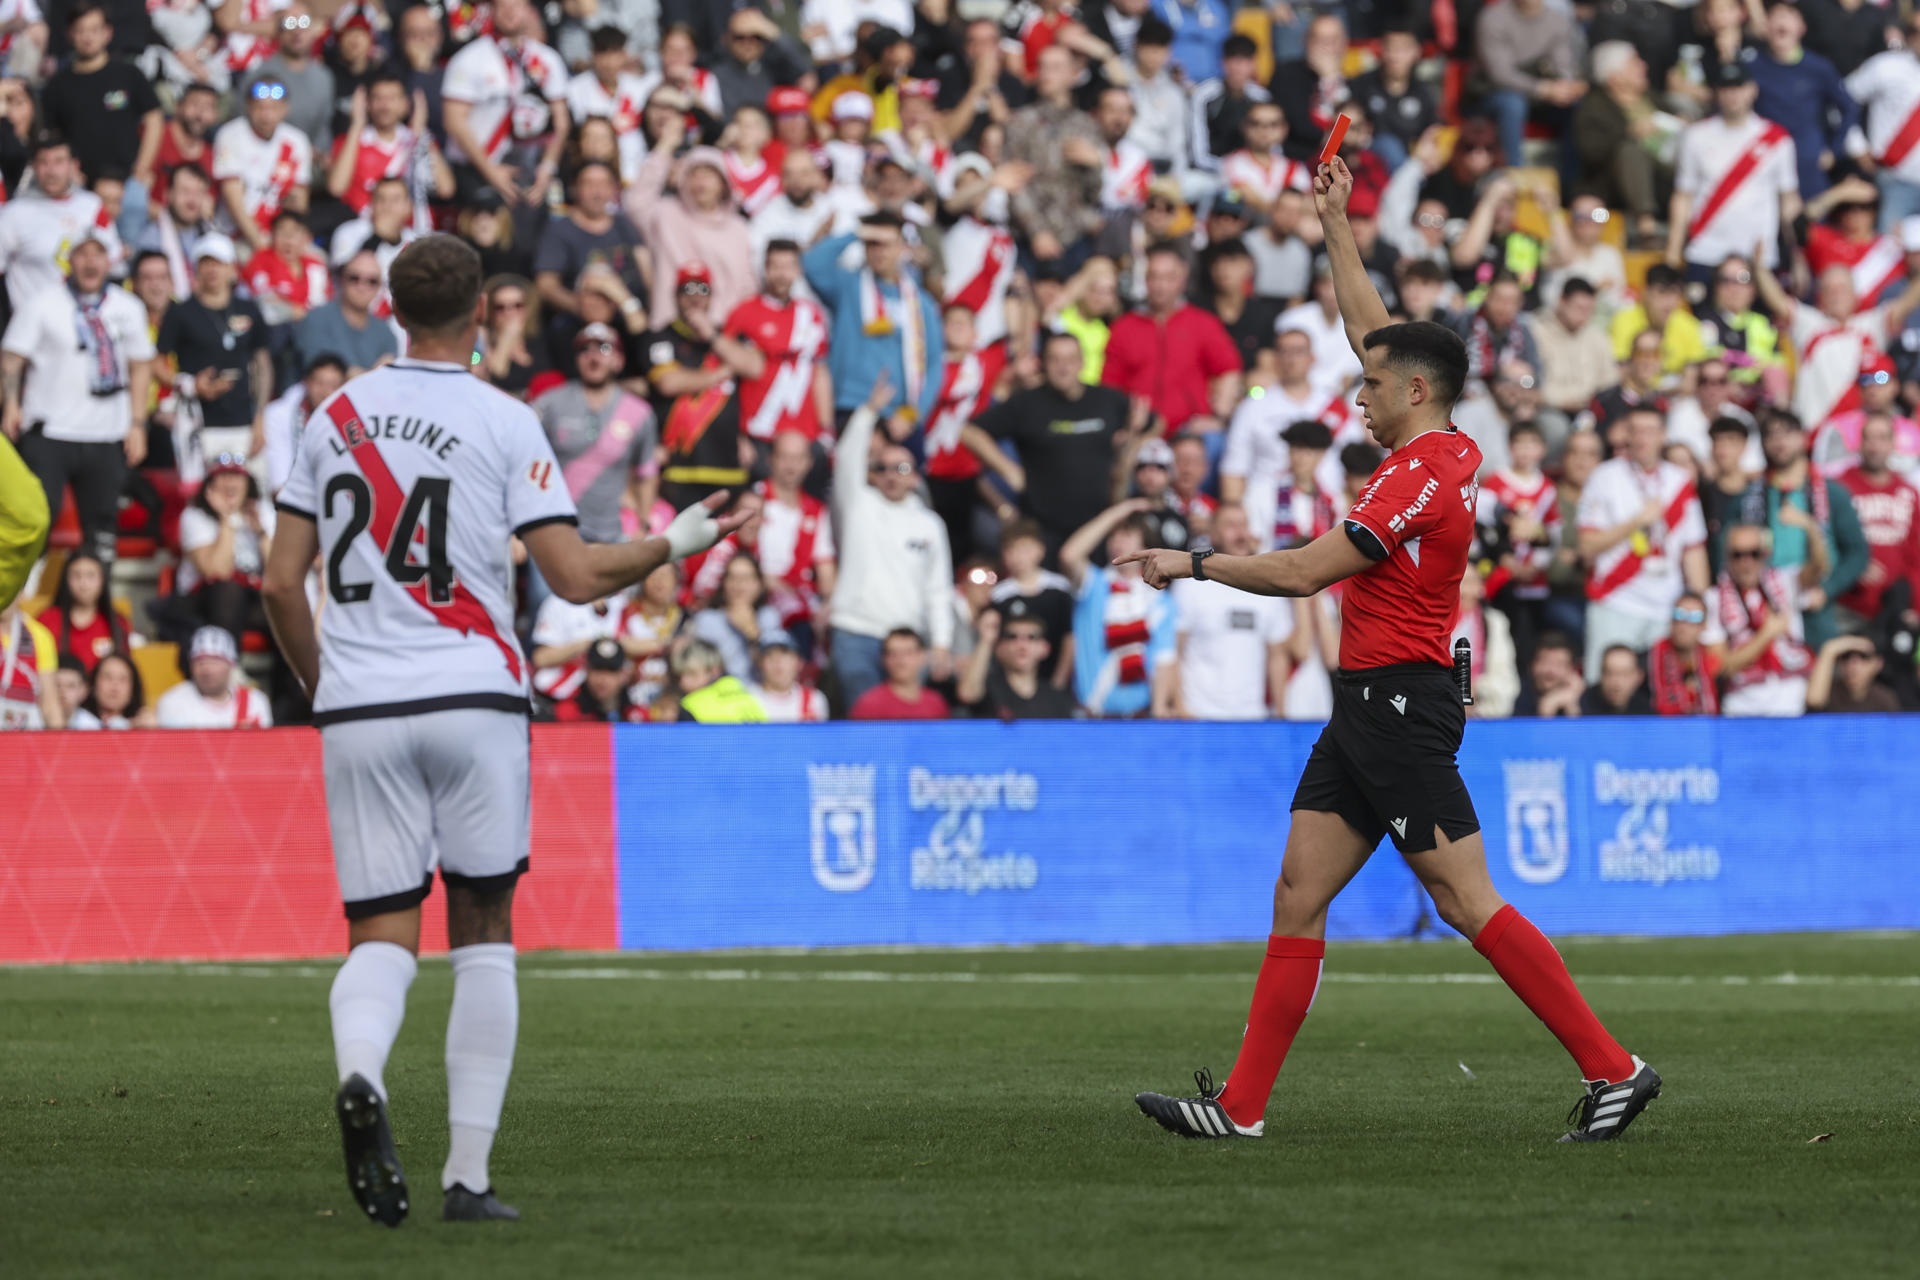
(1365,539)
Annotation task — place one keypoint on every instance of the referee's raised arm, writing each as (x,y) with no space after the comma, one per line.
(1360,306)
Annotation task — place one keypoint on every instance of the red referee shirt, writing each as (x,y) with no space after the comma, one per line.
(1419,505)
(1170,363)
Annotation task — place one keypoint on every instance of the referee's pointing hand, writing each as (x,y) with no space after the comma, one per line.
(1159,566)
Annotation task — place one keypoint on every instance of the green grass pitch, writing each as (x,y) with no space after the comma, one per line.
(970,1114)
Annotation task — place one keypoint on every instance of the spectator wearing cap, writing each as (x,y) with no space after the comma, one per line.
(1070,438)
(847,153)
(1755,630)
(1887,87)
(1059,206)
(294,34)
(904,694)
(791,110)
(105,107)
(885,323)
(1736,181)
(1530,55)
(602,695)
(77,407)
(896,567)
(38,224)
(217,342)
(1617,132)
(354,57)
(1005,676)
(1576,359)
(604,437)
(1233,657)
(698,222)
(757,56)
(693,368)
(1153,480)
(1172,354)
(226,533)
(262,165)
(708,695)
(1841,441)
(213,696)
(1802,93)
(347,324)
(1220,102)
(782,689)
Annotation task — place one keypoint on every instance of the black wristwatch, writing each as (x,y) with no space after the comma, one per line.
(1200,574)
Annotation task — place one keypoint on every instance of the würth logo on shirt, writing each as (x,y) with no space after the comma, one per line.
(540,475)
(1418,505)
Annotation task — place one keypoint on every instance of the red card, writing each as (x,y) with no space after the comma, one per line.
(1335,136)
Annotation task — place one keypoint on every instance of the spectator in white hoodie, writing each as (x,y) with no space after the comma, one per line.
(896,569)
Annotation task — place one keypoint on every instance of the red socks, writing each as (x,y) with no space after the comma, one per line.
(1527,962)
(1289,976)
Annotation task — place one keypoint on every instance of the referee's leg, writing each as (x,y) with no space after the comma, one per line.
(1454,873)
(1323,853)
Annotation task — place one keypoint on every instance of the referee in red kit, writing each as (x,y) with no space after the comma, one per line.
(1385,764)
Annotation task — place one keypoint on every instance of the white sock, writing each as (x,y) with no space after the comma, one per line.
(480,1035)
(368,1002)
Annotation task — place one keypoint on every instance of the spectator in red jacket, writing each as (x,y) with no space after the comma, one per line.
(1174,355)
(1889,510)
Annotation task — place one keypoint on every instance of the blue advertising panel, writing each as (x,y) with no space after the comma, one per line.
(983,833)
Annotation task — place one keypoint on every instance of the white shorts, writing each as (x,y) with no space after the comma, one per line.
(408,793)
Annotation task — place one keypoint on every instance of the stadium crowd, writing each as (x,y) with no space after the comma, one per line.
(967,297)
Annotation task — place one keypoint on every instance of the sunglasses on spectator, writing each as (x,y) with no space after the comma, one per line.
(1878,378)
(265,89)
(1746,553)
(226,460)
(353,277)
(698,288)
(1597,215)
(1690,615)
(1735,277)
(898,468)
(1432,221)
(982,577)
(1524,382)
(300,23)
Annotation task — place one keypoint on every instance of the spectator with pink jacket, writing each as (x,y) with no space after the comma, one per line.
(697,222)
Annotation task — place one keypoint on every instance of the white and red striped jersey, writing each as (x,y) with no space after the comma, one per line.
(964,393)
(268,169)
(801,704)
(561,622)
(794,541)
(1255,451)
(1887,87)
(376,159)
(185,707)
(980,264)
(1735,175)
(280,287)
(622,105)
(1262,178)
(510,87)
(24,12)
(1641,575)
(1878,267)
(754,184)
(418,475)
(1125,177)
(793,337)
(245,52)
(937,161)
(36,233)
(1534,497)
(1831,356)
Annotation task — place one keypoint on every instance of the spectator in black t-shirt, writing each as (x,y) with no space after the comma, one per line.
(1004,678)
(1226,283)
(219,341)
(1068,436)
(593,232)
(106,109)
(1043,593)
(692,368)
(1400,107)
(1622,690)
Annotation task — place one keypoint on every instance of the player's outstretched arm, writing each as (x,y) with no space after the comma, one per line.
(581,572)
(283,592)
(1307,571)
(1360,306)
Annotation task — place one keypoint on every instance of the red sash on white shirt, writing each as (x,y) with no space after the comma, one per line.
(1876,271)
(1742,169)
(1629,565)
(1850,397)
(1903,142)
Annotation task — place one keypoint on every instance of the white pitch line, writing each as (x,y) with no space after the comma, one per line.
(968,976)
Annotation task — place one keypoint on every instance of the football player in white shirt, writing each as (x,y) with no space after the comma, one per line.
(212,698)
(409,483)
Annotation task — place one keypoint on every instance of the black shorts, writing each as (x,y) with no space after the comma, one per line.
(1385,762)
